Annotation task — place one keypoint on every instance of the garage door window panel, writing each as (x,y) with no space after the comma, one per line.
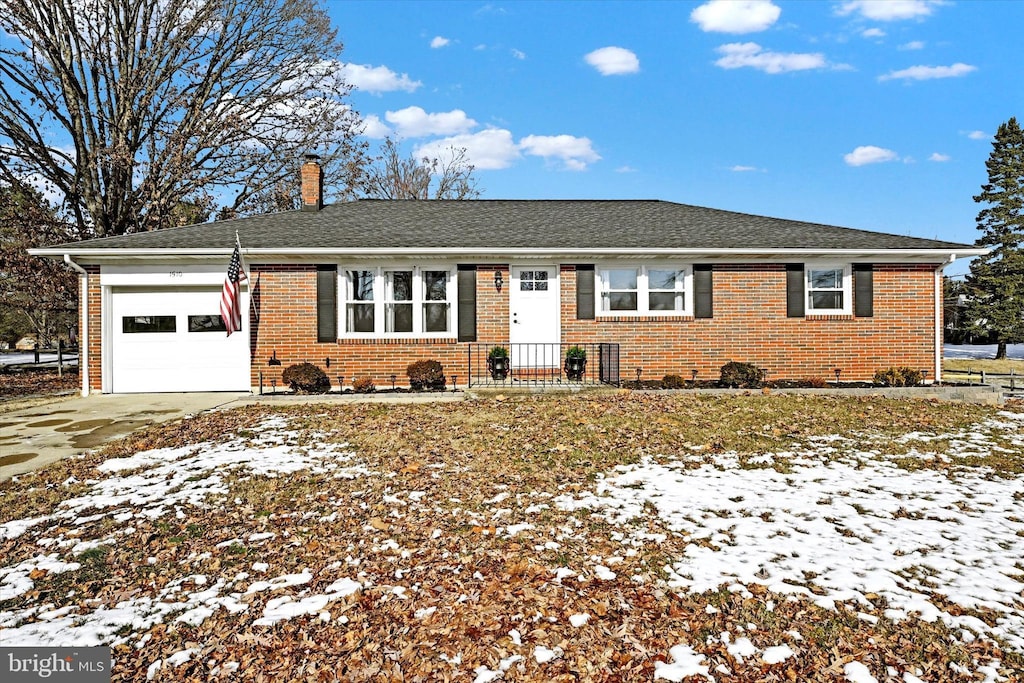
(148,324)
(206,323)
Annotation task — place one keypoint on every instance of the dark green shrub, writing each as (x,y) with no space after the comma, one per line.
(899,377)
(740,375)
(576,352)
(426,375)
(498,352)
(306,378)
(673,382)
(363,385)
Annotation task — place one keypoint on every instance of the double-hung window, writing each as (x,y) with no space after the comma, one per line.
(828,289)
(396,302)
(650,290)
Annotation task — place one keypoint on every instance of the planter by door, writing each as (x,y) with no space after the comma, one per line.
(498,367)
(574,368)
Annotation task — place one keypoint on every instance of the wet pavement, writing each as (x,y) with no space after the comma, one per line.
(40,434)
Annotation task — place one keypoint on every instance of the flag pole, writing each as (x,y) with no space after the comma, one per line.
(241,257)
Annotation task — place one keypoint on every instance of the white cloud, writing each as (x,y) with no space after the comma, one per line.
(978,135)
(518,54)
(625,169)
(439,41)
(414,122)
(912,45)
(738,55)
(869,154)
(735,16)
(873,33)
(924,73)
(572,151)
(487,149)
(611,61)
(889,10)
(743,169)
(377,79)
(936,156)
(374,128)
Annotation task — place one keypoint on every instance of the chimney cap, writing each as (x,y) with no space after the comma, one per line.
(312,157)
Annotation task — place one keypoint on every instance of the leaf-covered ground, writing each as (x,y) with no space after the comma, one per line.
(597,537)
(30,383)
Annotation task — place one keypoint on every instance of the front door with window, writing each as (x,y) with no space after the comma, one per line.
(534,330)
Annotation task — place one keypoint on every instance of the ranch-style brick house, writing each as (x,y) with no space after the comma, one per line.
(364,288)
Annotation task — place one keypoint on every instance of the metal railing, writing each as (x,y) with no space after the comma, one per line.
(542,364)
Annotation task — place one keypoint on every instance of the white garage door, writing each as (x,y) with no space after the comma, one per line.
(173,340)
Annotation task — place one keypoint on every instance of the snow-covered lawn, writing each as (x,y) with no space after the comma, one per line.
(283,545)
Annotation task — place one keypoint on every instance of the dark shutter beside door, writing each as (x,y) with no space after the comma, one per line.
(467,303)
(703,298)
(585,292)
(863,290)
(327,303)
(795,290)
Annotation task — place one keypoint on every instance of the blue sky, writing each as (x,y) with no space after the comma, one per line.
(874,115)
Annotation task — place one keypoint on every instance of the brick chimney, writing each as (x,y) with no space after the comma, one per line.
(312,184)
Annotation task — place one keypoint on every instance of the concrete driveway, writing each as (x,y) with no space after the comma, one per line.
(35,436)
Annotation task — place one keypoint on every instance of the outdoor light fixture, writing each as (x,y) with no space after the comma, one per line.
(498,280)
(327,362)
(837,371)
(694,374)
(392,382)
(639,371)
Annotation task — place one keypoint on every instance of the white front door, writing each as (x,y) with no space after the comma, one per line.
(534,325)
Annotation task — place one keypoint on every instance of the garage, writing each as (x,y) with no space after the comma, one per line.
(172,339)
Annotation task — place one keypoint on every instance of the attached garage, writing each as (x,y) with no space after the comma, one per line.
(173,340)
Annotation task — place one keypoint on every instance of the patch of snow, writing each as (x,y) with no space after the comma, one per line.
(543,655)
(685,662)
(856,672)
(774,655)
(579,620)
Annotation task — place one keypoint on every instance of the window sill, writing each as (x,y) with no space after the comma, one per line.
(625,316)
(374,339)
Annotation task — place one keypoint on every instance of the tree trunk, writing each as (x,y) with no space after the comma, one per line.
(1001,350)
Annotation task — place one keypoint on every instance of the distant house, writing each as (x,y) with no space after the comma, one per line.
(364,288)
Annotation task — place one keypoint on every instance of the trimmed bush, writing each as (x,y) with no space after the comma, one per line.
(813,382)
(673,382)
(363,385)
(426,375)
(740,375)
(899,377)
(306,378)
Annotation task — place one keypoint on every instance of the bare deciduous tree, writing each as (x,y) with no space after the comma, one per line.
(394,176)
(132,108)
(36,294)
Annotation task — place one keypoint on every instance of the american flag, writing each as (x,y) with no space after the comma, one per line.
(231,295)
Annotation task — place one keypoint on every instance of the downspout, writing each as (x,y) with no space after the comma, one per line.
(83,344)
(939,336)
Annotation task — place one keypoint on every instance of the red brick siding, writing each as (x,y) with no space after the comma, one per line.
(93,344)
(750,325)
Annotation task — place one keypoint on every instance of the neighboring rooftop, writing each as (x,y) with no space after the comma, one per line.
(499,224)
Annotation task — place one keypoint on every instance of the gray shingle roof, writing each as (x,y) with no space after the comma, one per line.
(514,224)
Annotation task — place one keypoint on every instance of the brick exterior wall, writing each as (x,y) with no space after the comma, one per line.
(749,325)
(93,344)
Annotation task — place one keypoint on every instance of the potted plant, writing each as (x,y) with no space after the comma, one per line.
(575,363)
(497,363)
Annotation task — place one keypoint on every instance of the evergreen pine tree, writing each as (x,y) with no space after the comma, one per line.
(996,282)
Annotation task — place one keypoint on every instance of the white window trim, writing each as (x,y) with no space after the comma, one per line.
(642,289)
(379,301)
(847,289)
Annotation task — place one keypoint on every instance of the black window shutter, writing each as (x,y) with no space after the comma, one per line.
(703,297)
(327,303)
(467,303)
(863,290)
(795,290)
(585,292)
